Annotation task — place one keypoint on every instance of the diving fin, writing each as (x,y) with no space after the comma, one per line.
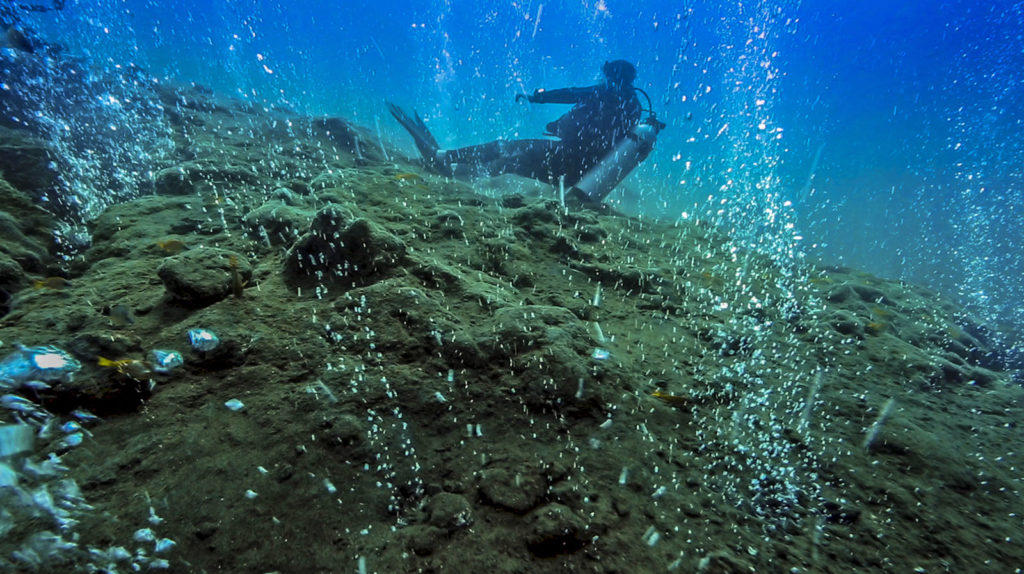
(424,140)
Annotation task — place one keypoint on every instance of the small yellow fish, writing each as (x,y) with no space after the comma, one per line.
(55,283)
(671,400)
(134,368)
(875,327)
(172,246)
(237,284)
(408,177)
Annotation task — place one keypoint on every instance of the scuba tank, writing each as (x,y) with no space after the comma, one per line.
(600,180)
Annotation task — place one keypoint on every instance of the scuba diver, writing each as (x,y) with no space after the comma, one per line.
(598,142)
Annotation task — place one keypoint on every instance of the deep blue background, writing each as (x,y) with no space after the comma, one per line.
(913,108)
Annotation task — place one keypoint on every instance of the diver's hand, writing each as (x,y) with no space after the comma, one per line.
(521,97)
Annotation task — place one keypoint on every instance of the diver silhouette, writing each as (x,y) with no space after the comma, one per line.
(596,144)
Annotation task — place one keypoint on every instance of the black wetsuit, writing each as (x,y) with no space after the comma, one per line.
(600,118)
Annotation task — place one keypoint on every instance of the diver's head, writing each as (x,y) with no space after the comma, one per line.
(619,73)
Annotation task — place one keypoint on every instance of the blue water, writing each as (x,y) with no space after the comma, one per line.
(880,135)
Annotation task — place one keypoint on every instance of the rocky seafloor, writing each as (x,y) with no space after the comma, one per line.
(432,379)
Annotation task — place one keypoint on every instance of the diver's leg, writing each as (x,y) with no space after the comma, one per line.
(533,158)
(424,140)
(475,154)
(475,160)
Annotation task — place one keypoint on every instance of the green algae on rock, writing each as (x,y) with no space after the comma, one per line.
(421,390)
(202,276)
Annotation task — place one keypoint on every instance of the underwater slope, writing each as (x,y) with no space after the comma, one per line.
(427,379)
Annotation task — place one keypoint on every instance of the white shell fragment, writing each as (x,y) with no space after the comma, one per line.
(164,361)
(153,518)
(235,405)
(53,359)
(73,439)
(163,545)
(203,339)
(85,416)
(119,554)
(15,439)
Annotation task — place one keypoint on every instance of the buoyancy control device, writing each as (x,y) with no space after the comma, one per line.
(600,180)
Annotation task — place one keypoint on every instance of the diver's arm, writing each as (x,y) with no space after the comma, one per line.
(561,96)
